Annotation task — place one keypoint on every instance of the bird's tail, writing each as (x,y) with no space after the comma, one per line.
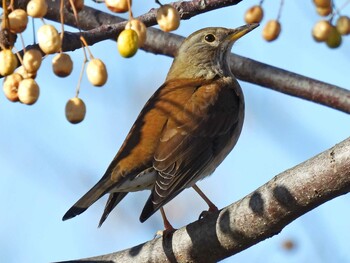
(112,202)
(88,199)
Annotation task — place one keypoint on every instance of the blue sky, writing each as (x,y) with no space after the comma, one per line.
(47,163)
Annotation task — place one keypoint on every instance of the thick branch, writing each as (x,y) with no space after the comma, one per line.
(260,215)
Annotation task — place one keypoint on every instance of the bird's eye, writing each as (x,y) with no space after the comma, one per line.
(209,38)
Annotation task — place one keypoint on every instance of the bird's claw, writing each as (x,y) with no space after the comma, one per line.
(205,213)
(164,233)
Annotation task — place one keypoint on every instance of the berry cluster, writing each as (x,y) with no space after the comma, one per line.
(272,28)
(19,83)
(324,30)
(134,34)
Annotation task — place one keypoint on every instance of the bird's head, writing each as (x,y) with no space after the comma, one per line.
(204,53)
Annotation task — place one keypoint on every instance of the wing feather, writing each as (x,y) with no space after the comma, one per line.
(193,140)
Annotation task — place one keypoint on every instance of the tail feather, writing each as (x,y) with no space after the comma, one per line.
(112,202)
(151,206)
(88,199)
(149,209)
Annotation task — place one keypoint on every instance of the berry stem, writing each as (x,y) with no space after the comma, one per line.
(159,3)
(34,31)
(43,20)
(11,6)
(337,10)
(130,11)
(75,13)
(280,10)
(77,90)
(4,7)
(62,21)
(22,41)
(19,58)
(85,45)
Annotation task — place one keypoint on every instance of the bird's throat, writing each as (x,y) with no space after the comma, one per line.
(191,69)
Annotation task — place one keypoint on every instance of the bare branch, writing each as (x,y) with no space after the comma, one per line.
(101,26)
(290,83)
(258,216)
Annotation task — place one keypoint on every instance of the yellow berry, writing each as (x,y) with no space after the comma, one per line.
(96,72)
(75,110)
(8,62)
(37,8)
(49,40)
(118,6)
(254,14)
(10,86)
(139,28)
(78,4)
(334,39)
(128,43)
(168,18)
(324,11)
(343,25)
(322,3)
(32,60)
(62,65)
(321,30)
(25,74)
(18,21)
(271,30)
(28,91)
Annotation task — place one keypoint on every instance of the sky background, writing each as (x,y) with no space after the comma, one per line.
(48,163)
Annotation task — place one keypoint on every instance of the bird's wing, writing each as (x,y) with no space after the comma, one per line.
(136,154)
(193,139)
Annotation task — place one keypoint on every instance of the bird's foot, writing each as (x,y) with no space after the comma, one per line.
(205,213)
(168,228)
(165,233)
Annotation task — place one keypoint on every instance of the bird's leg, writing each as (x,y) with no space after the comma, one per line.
(212,207)
(167,225)
(168,228)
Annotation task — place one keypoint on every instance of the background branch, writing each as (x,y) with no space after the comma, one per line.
(259,215)
(101,26)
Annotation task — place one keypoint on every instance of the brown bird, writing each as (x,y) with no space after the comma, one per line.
(185,130)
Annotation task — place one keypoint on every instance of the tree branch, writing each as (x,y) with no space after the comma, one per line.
(101,26)
(290,83)
(258,216)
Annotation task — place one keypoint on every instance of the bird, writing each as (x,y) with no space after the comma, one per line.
(184,131)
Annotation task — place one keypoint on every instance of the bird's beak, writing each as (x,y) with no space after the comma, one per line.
(241,31)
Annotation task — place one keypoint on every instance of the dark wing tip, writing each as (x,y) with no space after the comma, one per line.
(73,211)
(148,210)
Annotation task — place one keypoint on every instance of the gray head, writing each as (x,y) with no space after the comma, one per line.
(204,53)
